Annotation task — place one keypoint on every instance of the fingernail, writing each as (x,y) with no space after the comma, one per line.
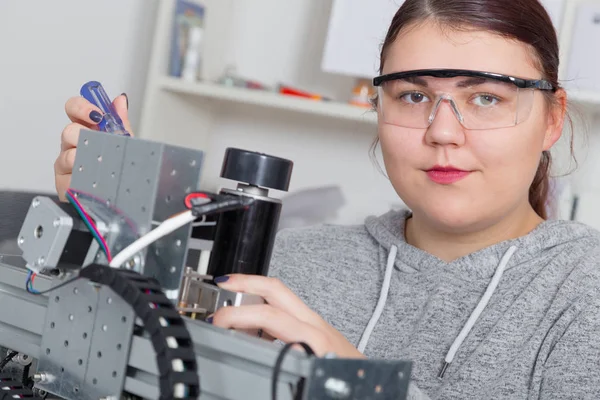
(95,116)
(126,99)
(221,279)
(209,320)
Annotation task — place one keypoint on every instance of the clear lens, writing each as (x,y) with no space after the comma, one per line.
(477,103)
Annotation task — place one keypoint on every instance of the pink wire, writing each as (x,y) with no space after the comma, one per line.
(92,224)
(98,199)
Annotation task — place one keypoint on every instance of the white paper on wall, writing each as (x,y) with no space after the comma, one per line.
(356,31)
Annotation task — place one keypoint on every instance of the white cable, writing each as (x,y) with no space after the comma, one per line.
(161,230)
(385,288)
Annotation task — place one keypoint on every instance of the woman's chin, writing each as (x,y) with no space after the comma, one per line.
(453,215)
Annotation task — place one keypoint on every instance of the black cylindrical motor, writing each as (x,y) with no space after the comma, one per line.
(244,239)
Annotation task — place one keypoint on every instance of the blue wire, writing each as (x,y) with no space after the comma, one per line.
(28,285)
(91,228)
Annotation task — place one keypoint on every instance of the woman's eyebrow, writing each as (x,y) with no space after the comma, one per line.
(468,82)
(474,81)
(416,80)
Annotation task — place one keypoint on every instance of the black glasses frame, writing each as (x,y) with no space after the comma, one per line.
(521,83)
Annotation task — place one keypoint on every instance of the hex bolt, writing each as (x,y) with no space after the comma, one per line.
(40,377)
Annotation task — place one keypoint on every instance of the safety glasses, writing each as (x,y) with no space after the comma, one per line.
(479,100)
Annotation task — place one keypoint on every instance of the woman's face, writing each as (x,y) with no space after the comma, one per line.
(499,164)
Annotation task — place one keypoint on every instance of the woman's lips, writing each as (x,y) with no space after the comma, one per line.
(446,175)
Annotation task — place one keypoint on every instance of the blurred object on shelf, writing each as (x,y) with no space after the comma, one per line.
(192,58)
(313,206)
(231,79)
(292,91)
(186,41)
(363,93)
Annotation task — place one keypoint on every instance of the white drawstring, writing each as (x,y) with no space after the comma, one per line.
(387,278)
(478,310)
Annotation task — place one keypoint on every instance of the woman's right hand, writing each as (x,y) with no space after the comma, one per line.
(82,114)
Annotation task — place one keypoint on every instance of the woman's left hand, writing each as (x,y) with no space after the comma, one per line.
(284,317)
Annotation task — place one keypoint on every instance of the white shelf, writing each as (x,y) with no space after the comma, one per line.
(333,110)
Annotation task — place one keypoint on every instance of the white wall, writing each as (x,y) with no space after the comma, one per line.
(274,41)
(48,50)
(282,41)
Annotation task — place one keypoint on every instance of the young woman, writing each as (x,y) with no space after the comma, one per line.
(473,284)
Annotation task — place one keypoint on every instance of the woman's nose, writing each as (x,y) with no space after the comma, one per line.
(445,128)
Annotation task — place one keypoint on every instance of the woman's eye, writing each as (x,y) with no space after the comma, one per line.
(414,98)
(486,100)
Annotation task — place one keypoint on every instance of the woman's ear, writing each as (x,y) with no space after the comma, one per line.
(556,119)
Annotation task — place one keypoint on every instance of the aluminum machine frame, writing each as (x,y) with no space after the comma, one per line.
(92,331)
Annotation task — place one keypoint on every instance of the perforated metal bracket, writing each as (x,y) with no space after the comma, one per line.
(334,378)
(85,342)
(132,185)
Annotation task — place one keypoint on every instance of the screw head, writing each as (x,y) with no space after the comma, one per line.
(337,388)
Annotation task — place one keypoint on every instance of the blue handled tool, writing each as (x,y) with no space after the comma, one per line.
(111,122)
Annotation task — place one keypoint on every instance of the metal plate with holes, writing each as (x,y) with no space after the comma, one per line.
(66,339)
(139,180)
(143,182)
(44,233)
(110,347)
(98,164)
(96,176)
(76,317)
(138,188)
(333,378)
(179,175)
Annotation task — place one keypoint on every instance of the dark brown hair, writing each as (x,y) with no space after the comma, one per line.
(526,21)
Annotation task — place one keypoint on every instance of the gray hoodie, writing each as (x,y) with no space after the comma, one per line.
(517,320)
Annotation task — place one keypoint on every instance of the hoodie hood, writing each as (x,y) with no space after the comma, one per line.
(396,302)
(490,262)
(388,230)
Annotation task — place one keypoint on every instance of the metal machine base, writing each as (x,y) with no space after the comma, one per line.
(232,365)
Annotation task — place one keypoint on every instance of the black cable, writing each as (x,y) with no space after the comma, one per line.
(25,375)
(217,202)
(279,362)
(13,389)
(150,304)
(162,321)
(221,206)
(65,283)
(7,359)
